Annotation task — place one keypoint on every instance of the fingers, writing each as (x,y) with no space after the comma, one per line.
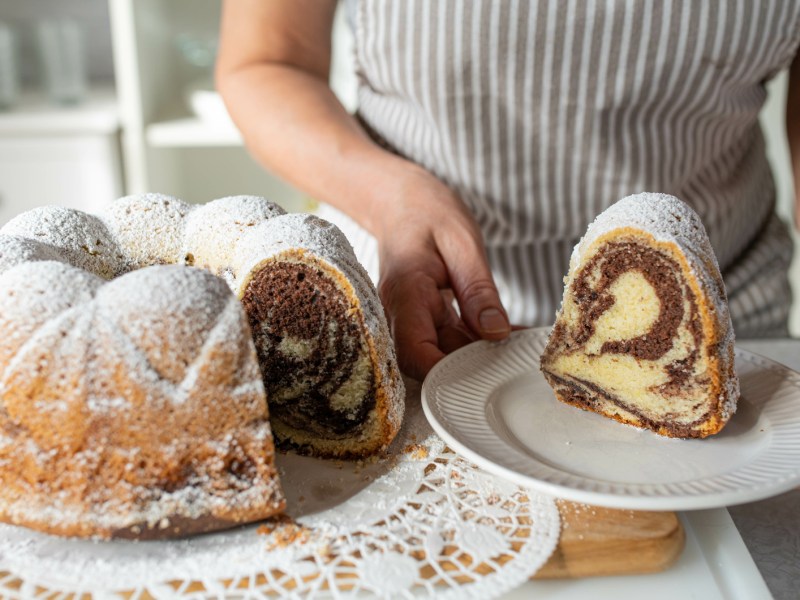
(418,359)
(425,326)
(472,282)
(453,338)
(452,332)
(412,304)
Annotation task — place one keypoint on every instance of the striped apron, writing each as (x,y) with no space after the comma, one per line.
(541,114)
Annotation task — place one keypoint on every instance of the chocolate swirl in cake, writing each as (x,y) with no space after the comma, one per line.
(662,273)
(309,349)
(592,293)
(347,401)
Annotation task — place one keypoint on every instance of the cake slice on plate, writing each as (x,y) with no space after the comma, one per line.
(643,334)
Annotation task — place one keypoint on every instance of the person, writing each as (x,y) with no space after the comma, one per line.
(490,133)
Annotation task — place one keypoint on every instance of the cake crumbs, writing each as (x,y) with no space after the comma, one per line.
(416,451)
(284,532)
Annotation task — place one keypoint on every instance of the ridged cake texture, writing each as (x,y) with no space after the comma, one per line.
(131,408)
(148,229)
(79,238)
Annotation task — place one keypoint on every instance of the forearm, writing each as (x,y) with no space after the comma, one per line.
(793,131)
(295,126)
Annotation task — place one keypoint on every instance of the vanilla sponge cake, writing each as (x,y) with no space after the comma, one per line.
(644,334)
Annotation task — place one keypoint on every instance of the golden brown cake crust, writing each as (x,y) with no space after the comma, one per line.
(116,418)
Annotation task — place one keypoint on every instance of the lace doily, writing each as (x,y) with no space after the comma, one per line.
(417,523)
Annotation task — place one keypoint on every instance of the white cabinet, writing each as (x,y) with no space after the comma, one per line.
(167,146)
(59,155)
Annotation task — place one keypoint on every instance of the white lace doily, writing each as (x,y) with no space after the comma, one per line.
(420,522)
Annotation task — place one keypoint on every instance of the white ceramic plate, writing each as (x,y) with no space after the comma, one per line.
(490,402)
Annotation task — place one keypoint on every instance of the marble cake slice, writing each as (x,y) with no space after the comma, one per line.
(644,334)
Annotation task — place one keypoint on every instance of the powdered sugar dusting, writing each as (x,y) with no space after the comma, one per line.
(102,441)
(82,238)
(148,229)
(15,250)
(162,298)
(31,294)
(665,217)
(214,230)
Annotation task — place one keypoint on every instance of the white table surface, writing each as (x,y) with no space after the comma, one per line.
(747,552)
(771,528)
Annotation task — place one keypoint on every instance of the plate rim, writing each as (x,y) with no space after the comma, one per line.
(598,498)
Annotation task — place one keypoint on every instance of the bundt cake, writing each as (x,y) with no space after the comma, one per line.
(643,334)
(320,336)
(130,408)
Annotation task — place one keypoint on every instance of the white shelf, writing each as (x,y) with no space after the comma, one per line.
(191,132)
(35,115)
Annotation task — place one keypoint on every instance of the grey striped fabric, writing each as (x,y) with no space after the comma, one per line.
(540,114)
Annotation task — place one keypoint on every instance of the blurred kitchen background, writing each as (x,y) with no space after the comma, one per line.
(102,98)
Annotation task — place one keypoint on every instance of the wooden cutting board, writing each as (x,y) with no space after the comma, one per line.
(604,541)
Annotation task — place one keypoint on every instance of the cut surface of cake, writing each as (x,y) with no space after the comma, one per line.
(320,334)
(644,335)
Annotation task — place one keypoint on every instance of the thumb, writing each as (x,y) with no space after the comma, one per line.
(481,308)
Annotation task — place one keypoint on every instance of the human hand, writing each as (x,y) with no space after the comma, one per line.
(431,252)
